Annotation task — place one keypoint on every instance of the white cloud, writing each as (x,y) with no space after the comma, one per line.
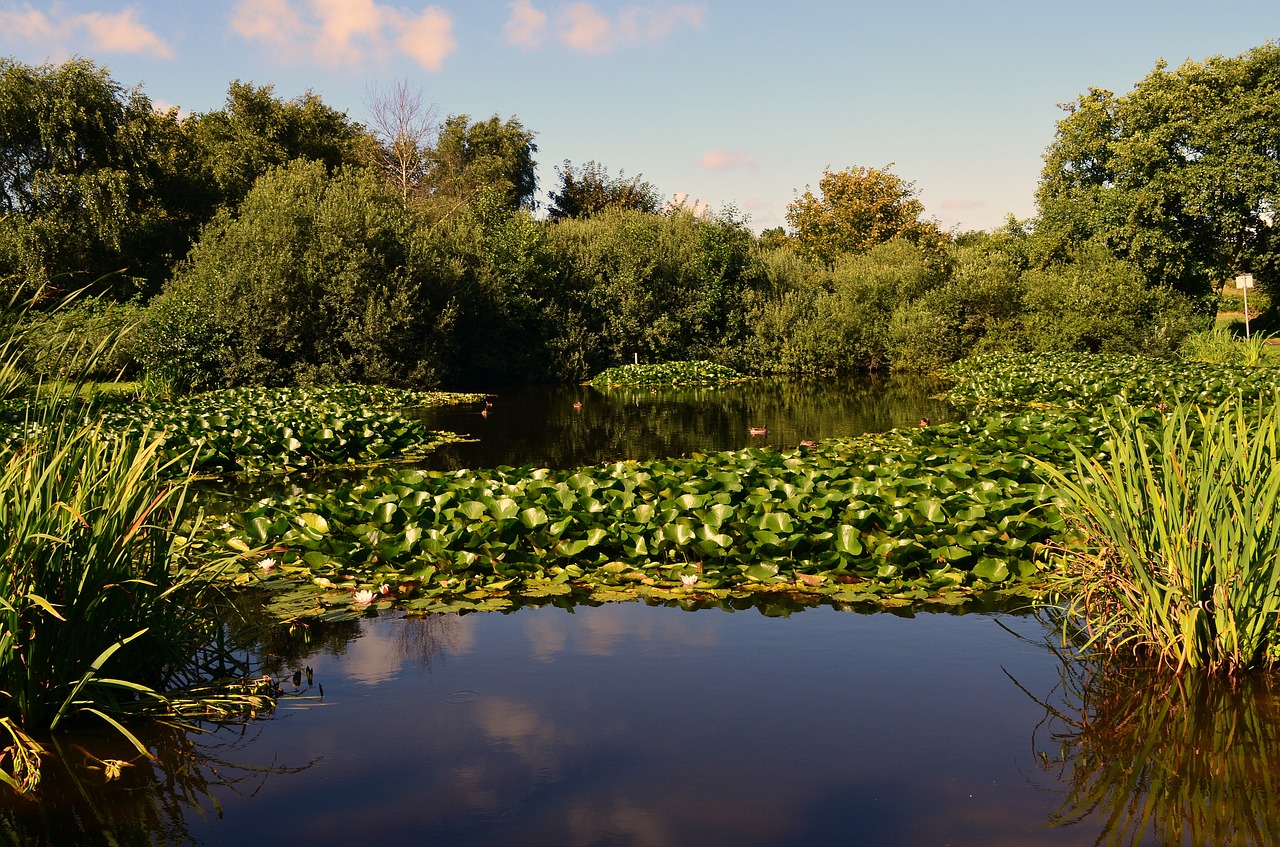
(346,32)
(117,32)
(526,26)
(582,27)
(728,160)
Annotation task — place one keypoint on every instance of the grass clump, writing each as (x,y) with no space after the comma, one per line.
(105,606)
(1222,347)
(1180,557)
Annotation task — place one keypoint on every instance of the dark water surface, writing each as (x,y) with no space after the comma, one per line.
(539,425)
(629,724)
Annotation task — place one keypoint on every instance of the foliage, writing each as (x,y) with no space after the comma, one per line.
(935,513)
(1181,559)
(1218,346)
(85,177)
(590,189)
(258,429)
(664,287)
(492,153)
(316,279)
(858,208)
(1099,304)
(89,337)
(666,373)
(1179,176)
(256,131)
(105,603)
(1090,382)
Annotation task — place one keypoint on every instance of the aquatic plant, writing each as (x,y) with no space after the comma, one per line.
(936,515)
(1219,346)
(257,430)
(104,601)
(1180,552)
(1089,383)
(666,374)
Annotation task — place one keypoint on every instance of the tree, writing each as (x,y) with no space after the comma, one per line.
(81,173)
(590,189)
(859,208)
(405,126)
(1181,176)
(256,131)
(492,153)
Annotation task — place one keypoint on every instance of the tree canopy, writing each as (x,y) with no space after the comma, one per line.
(78,177)
(858,209)
(1180,176)
(590,189)
(493,154)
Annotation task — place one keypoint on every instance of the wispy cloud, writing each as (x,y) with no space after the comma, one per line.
(115,32)
(583,27)
(346,32)
(728,160)
(526,26)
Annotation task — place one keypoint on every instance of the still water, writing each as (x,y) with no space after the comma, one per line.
(629,724)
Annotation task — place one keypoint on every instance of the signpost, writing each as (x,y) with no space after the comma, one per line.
(1244,282)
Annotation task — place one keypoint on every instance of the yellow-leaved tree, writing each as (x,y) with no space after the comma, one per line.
(858,209)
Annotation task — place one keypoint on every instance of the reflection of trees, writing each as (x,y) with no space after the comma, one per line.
(150,802)
(1165,759)
(540,425)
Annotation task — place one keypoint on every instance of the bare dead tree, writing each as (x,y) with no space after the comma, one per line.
(405,125)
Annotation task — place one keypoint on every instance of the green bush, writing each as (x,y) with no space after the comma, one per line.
(315,279)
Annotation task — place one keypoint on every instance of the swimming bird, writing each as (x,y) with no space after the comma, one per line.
(808,443)
(924,422)
(577,404)
(758,430)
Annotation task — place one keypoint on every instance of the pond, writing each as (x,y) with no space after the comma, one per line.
(632,724)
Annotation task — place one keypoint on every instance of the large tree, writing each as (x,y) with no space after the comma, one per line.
(492,154)
(87,173)
(256,130)
(858,209)
(1180,176)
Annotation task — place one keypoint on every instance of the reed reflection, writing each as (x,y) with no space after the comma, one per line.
(99,790)
(1158,758)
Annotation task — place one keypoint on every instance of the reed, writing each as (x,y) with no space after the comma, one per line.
(1179,553)
(106,609)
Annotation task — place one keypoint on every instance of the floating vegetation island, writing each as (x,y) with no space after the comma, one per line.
(666,374)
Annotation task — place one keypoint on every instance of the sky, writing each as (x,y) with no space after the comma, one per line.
(740,103)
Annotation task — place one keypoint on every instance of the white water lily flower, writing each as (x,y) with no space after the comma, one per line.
(689,578)
(364,597)
(268,564)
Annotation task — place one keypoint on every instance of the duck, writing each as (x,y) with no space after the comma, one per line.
(577,404)
(808,443)
(758,430)
(924,422)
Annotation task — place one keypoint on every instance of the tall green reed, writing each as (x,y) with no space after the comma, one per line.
(106,609)
(1180,541)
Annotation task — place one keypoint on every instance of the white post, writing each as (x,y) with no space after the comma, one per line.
(1244,282)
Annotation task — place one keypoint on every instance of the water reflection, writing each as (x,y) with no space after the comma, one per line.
(153,801)
(539,425)
(1162,759)
(648,725)
(628,724)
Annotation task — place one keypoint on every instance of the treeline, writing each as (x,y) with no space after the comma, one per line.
(279,242)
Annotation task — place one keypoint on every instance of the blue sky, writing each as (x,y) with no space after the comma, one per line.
(741,103)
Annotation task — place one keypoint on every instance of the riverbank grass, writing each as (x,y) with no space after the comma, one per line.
(1181,555)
